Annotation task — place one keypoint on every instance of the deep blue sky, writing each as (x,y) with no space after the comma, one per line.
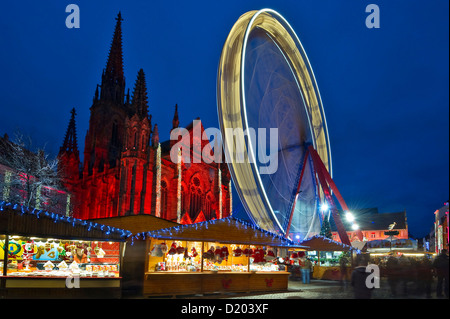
(385,91)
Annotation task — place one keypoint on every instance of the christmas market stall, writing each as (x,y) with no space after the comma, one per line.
(216,256)
(47,255)
(133,263)
(329,257)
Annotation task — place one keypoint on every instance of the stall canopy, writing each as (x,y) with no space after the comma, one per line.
(226,230)
(20,220)
(321,243)
(136,223)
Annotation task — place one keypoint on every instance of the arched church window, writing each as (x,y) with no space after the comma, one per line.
(135,144)
(115,134)
(195,199)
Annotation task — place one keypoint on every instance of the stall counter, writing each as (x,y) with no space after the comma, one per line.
(179,283)
(329,272)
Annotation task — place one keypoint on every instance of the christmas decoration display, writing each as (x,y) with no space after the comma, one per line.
(62,265)
(28,252)
(180,250)
(248,252)
(237,252)
(164,248)
(209,254)
(173,249)
(270,255)
(49,265)
(157,251)
(259,256)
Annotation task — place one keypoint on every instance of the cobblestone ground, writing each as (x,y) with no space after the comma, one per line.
(328,289)
(325,289)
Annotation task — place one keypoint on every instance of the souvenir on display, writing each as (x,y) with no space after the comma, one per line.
(74,266)
(156,251)
(101,253)
(173,249)
(237,252)
(62,265)
(164,248)
(270,255)
(49,265)
(194,252)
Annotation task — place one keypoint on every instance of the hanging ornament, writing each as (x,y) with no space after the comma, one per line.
(180,250)
(209,254)
(224,253)
(173,249)
(164,248)
(270,255)
(218,254)
(248,252)
(294,256)
(237,252)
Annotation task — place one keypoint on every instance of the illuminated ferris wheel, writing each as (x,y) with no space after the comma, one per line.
(265,82)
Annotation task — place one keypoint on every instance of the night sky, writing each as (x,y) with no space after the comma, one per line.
(385,91)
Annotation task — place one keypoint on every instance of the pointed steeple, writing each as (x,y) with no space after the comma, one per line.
(139,103)
(70,144)
(175,121)
(113,80)
(114,66)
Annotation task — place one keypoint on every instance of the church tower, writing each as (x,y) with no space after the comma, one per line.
(68,156)
(134,167)
(104,139)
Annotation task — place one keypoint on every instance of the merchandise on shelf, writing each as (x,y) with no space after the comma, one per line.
(38,257)
(186,256)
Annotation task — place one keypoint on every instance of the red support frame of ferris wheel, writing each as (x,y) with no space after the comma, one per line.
(326,183)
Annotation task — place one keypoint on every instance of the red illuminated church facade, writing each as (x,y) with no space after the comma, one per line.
(126,169)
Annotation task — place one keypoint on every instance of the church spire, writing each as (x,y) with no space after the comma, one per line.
(139,103)
(175,121)
(70,144)
(113,80)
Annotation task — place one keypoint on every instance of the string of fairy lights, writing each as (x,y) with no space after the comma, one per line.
(38,213)
(239,223)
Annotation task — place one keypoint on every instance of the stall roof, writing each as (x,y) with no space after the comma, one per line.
(136,223)
(225,230)
(21,220)
(321,243)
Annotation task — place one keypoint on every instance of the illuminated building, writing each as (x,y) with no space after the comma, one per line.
(441,234)
(126,169)
(373,225)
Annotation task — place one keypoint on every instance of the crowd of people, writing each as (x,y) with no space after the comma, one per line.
(406,277)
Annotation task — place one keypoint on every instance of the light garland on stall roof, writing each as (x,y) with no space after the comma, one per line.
(24,210)
(238,222)
(331,241)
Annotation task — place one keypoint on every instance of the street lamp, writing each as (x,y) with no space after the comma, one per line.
(355,226)
(324,207)
(349,216)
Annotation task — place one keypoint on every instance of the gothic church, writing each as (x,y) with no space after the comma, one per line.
(126,169)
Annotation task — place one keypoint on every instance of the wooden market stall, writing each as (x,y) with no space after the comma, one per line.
(217,256)
(134,259)
(46,255)
(325,254)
